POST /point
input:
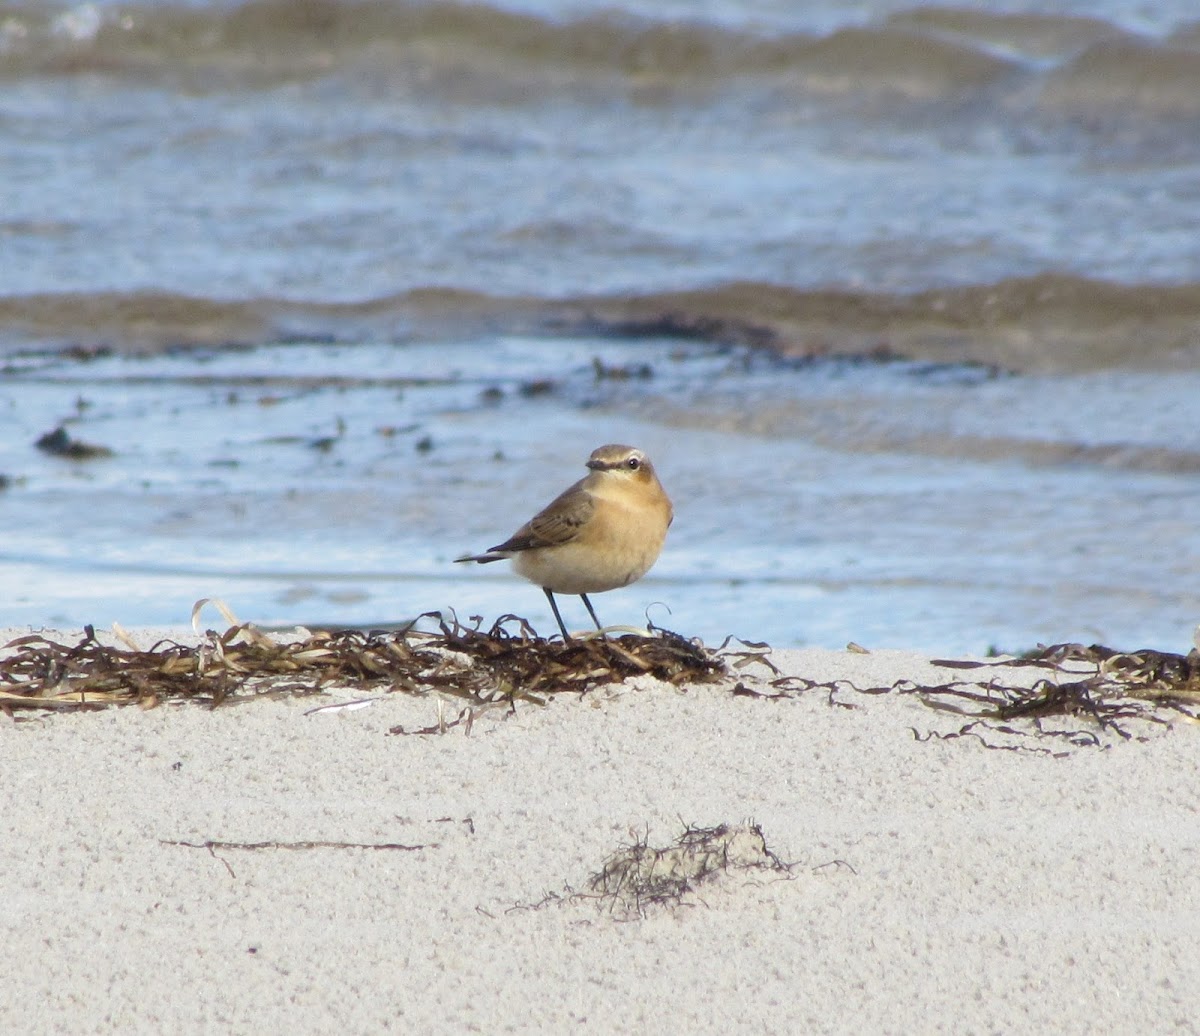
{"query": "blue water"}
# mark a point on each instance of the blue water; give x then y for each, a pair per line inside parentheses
(317, 484)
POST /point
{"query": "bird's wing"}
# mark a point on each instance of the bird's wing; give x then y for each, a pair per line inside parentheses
(557, 523)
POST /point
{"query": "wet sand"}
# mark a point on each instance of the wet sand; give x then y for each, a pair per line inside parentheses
(933, 884)
(1049, 323)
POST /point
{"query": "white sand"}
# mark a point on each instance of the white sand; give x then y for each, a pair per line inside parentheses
(938, 886)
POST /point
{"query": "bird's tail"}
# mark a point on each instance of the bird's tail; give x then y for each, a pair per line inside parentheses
(483, 559)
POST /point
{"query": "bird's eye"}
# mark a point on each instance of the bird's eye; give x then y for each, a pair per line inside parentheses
(633, 464)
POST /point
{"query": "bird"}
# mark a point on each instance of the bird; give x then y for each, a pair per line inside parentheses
(604, 532)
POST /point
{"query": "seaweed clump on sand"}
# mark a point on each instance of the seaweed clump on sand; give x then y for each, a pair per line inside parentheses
(639, 876)
(505, 663)
(1111, 689)
(1088, 697)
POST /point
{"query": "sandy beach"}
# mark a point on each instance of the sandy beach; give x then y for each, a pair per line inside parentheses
(264, 867)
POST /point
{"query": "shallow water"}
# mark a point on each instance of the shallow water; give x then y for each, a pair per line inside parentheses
(395, 206)
(317, 484)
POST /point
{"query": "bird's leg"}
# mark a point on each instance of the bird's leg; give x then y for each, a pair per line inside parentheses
(554, 606)
(592, 612)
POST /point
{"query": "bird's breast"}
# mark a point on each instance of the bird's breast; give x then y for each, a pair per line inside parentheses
(615, 548)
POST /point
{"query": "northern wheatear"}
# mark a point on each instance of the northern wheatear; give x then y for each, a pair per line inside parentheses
(604, 532)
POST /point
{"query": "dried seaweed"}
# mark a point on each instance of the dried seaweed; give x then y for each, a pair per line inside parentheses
(503, 664)
(1115, 694)
(1088, 696)
(1109, 688)
(212, 846)
(1159, 676)
(638, 876)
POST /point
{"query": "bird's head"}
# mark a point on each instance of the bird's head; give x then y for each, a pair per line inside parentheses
(623, 462)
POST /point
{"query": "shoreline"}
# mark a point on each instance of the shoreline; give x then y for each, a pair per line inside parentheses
(278, 864)
(1054, 323)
